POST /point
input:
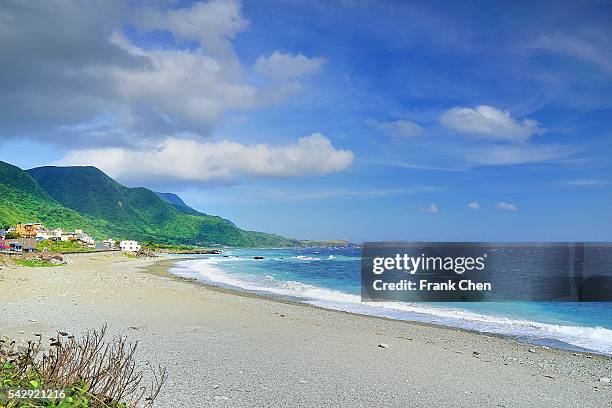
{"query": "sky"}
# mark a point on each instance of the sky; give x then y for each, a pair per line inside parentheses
(357, 120)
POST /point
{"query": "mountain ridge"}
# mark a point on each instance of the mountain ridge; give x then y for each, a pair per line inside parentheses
(85, 197)
(178, 202)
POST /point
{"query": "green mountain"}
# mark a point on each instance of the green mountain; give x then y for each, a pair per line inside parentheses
(85, 197)
(177, 202)
(23, 200)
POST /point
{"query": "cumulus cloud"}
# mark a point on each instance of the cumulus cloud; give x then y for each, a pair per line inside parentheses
(432, 209)
(213, 24)
(474, 205)
(76, 77)
(488, 122)
(506, 206)
(281, 66)
(192, 161)
(398, 128)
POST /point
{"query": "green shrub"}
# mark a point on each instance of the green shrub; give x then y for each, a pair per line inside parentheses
(89, 371)
(34, 263)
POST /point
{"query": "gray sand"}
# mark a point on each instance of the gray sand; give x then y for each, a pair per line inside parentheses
(227, 349)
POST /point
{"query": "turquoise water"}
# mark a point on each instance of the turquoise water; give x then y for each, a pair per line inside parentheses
(330, 277)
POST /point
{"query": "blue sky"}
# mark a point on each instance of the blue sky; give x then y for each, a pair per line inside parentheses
(350, 119)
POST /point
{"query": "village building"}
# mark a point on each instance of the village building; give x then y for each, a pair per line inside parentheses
(56, 234)
(129, 246)
(20, 245)
(29, 230)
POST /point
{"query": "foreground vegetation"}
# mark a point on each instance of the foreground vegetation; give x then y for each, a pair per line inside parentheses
(35, 263)
(62, 246)
(86, 372)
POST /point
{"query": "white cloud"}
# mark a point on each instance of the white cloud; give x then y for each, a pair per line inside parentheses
(74, 77)
(516, 154)
(282, 66)
(474, 205)
(593, 50)
(192, 161)
(399, 128)
(213, 24)
(432, 209)
(489, 123)
(506, 206)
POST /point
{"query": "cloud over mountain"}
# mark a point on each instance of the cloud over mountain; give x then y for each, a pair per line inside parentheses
(192, 161)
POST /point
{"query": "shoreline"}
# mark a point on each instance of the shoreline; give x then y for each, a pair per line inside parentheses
(237, 291)
(224, 348)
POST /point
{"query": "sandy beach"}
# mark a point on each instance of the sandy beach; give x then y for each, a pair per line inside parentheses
(230, 349)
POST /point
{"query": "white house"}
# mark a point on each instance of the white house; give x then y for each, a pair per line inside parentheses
(56, 234)
(83, 237)
(42, 235)
(129, 246)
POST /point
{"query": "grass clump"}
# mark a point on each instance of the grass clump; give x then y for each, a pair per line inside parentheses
(35, 263)
(91, 371)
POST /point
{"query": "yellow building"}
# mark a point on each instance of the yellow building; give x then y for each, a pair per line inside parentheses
(29, 230)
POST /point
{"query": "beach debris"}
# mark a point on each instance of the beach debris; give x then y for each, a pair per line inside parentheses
(216, 386)
(383, 345)
(475, 354)
(549, 376)
(589, 356)
(220, 398)
(282, 315)
(605, 380)
(258, 257)
(531, 350)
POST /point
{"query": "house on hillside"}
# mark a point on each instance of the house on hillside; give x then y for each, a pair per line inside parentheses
(56, 234)
(42, 235)
(68, 236)
(84, 238)
(129, 246)
(29, 230)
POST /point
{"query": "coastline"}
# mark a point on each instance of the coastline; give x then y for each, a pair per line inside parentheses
(255, 350)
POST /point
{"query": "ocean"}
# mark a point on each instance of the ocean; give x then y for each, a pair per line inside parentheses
(330, 278)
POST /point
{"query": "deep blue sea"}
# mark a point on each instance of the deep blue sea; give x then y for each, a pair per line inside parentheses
(330, 278)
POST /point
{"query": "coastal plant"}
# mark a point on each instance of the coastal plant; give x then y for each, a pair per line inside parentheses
(35, 263)
(90, 371)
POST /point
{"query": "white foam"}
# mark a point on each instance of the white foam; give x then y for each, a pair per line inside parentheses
(598, 339)
(306, 258)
